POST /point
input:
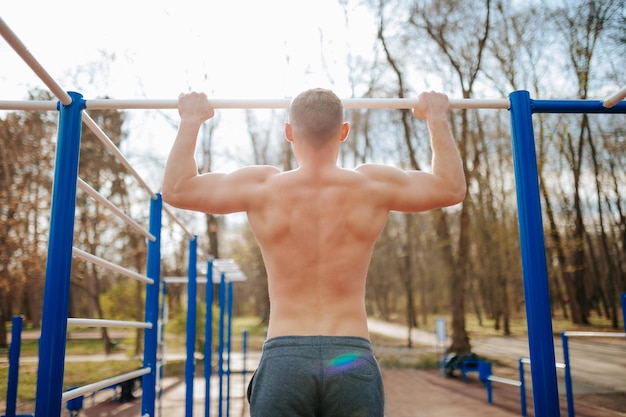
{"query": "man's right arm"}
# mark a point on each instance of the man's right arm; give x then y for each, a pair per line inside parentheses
(215, 192)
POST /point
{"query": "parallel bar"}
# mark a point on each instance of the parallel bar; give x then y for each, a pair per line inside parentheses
(594, 334)
(108, 323)
(612, 100)
(558, 365)
(506, 381)
(32, 105)
(110, 265)
(281, 103)
(93, 126)
(100, 198)
(77, 392)
(30, 60)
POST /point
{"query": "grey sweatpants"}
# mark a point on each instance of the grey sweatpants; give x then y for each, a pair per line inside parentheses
(317, 376)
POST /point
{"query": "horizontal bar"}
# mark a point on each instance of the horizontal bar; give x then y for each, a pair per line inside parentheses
(31, 105)
(93, 126)
(108, 323)
(504, 380)
(557, 364)
(30, 60)
(576, 106)
(77, 392)
(594, 334)
(282, 103)
(612, 100)
(538, 106)
(110, 265)
(100, 198)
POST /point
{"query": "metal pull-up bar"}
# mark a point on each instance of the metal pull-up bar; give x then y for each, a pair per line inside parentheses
(280, 103)
(30, 60)
(612, 100)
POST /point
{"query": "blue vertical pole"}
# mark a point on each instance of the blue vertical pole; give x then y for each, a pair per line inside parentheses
(229, 345)
(59, 261)
(150, 336)
(522, 387)
(162, 313)
(220, 344)
(14, 365)
(208, 343)
(624, 310)
(192, 290)
(569, 392)
(244, 370)
(534, 265)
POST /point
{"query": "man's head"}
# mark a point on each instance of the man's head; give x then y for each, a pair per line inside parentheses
(317, 115)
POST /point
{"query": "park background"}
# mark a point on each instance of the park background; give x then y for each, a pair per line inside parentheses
(462, 263)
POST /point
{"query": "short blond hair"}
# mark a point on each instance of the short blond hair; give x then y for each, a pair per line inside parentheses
(317, 113)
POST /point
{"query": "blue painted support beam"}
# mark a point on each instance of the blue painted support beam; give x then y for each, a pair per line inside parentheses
(150, 336)
(575, 106)
(192, 291)
(59, 260)
(229, 344)
(208, 343)
(624, 310)
(220, 344)
(569, 390)
(14, 365)
(534, 265)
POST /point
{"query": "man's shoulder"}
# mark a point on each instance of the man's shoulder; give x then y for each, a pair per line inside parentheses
(376, 169)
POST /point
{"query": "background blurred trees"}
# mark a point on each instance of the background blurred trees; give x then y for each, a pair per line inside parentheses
(458, 261)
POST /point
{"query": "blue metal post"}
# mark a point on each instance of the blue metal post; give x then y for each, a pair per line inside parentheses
(569, 392)
(522, 387)
(484, 372)
(59, 261)
(244, 370)
(534, 265)
(229, 345)
(14, 365)
(192, 290)
(220, 344)
(150, 336)
(208, 343)
(624, 310)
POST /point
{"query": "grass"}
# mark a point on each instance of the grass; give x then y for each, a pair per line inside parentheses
(518, 325)
(76, 374)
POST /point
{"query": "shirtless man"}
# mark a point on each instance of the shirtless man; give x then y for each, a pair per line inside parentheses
(316, 226)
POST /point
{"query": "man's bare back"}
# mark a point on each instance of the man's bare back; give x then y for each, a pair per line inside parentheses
(316, 225)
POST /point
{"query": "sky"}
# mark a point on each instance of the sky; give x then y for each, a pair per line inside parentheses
(157, 49)
(234, 49)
